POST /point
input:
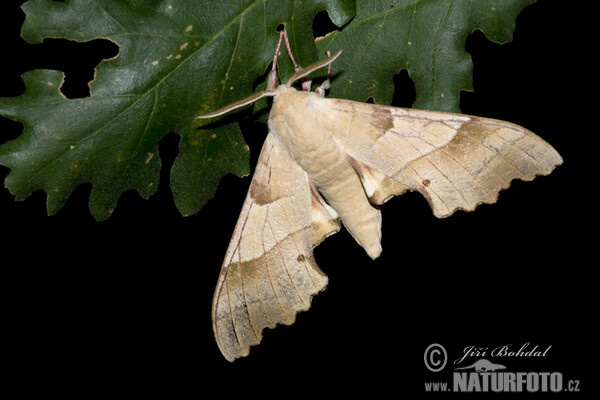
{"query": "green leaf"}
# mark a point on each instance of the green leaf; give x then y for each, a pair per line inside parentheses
(425, 37)
(178, 59)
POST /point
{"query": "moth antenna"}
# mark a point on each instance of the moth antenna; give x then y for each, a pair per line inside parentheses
(311, 68)
(289, 50)
(238, 104)
(272, 83)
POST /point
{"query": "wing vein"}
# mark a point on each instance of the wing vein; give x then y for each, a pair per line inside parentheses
(408, 165)
(266, 264)
(287, 270)
(499, 153)
(231, 317)
(246, 302)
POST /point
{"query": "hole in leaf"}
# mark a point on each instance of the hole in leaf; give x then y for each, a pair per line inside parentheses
(322, 25)
(77, 60)
(405, 93)
(280, 27)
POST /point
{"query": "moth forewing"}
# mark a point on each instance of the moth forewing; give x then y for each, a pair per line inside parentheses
(269, 273)
(456, 161)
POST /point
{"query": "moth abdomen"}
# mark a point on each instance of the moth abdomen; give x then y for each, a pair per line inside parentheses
(342, 189)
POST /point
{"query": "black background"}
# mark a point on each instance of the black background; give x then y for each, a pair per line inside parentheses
(123, 306)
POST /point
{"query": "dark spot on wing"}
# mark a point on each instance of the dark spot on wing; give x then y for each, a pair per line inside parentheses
(382, 119)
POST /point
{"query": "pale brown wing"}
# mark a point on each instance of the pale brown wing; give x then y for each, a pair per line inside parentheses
(456, 161)
(269, 273)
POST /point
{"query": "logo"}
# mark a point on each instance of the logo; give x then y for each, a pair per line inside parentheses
(483, 365)
(489, 375)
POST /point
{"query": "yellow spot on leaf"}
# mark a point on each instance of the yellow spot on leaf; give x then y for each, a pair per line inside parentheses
(150, 155)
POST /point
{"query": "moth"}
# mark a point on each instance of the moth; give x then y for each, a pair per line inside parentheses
(328, 162)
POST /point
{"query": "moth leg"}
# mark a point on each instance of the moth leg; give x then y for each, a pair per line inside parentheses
(327, 83)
